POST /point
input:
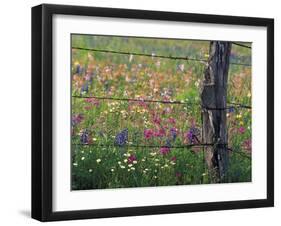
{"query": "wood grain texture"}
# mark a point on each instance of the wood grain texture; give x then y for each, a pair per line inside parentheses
(213, 97)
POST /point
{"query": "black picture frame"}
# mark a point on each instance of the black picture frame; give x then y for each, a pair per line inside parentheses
(42, 111)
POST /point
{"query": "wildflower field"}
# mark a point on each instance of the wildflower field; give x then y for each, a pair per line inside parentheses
(136, 119)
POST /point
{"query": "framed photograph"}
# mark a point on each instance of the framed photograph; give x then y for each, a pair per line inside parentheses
(146, 112)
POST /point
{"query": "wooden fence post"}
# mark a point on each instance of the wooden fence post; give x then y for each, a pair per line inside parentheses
(214, 103)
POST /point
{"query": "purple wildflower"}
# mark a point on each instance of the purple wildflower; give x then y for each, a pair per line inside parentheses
(231, 109)
(122, 137)
(84, 138)
(76, 119)
(84, 88)
(78, 69)
(192, 134)
(168, 143)
(173, 132)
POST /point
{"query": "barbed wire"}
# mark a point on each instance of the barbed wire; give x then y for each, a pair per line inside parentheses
(242, 154)
(241, 45)
(186, 58)
(146, 146)
(188, 146)
(234, 105)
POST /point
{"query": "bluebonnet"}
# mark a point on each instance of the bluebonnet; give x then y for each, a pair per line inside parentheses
(84, 138)
(173, 132)
(79, 69)
(231, 109)
(168, 143)
(122, 137)
(195, 131)
(84, 88)
(192, 134)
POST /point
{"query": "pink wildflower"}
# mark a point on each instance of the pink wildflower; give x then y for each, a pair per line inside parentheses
(160, 133)
(142, 104)
(241, 130)
(92, 101)
(76, 119)
(156, 120)
(167, 111)
(132, 158)
(248, 144)
(165, 150)
(148, 133)
(174, 158)
(88, 77)
(172, 120)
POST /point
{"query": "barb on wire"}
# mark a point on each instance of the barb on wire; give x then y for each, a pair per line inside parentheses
(153, 55)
